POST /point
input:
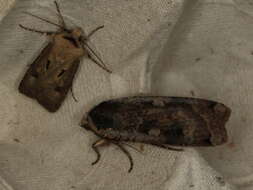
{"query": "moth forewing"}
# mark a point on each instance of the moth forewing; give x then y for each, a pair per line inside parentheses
(160, 121)
(50, 76)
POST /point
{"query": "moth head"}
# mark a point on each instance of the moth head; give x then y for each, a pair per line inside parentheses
(78, 34)
(88, 124)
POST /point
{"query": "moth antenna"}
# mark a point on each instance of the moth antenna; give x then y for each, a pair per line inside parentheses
(101, 64)
(60, 15)
(94, 30)
(38, 31)
(45, 20)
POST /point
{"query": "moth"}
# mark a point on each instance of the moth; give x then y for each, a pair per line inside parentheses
(50, 76)
(157, 120)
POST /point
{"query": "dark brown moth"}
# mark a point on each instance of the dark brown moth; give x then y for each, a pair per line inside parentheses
(157, 120)
(50, 76)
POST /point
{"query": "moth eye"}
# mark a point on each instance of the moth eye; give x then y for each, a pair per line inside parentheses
(48, 64)
(61, 73)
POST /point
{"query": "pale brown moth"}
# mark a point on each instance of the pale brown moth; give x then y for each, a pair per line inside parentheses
(50, 76)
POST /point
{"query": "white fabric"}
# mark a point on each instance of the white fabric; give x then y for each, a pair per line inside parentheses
(201, 48)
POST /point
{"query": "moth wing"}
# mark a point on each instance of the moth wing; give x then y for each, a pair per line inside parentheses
(164, 120)
(28, 85)
(55, 91)
(46, 82)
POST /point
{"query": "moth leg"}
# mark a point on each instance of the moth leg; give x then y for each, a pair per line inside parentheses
(38, 31)
(95, 146)
(94, 30)
(167, 147)
(73, 96)
(127, 154)
(91, 51)
(175, 149)
(130, 146)
(101, 63)
(62, 22)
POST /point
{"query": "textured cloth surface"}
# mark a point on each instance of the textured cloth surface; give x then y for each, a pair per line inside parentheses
(5, 6)
(200, 48)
